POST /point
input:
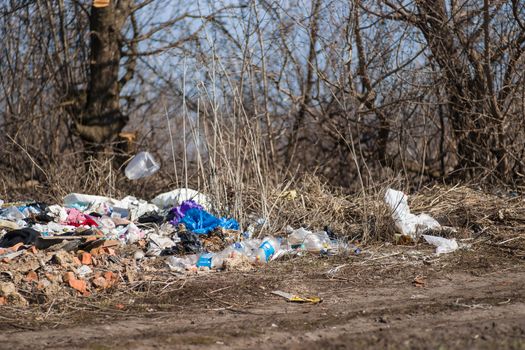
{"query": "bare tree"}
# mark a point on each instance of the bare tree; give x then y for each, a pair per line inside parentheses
(478, 65)
(350, 89)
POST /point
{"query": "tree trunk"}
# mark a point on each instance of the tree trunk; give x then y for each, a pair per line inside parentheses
(102, 119)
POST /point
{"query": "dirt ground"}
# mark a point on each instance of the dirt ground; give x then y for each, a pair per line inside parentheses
(392, 297)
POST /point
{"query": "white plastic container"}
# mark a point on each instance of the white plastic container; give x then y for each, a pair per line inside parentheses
(142, 165)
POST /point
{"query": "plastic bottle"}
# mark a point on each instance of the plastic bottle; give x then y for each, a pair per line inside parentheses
(142, 165)
(181, 264)
(248, 234)
(238, 248)
(340, 247)
(212, 260)
(248, 248)
(251, 246)
(317, 242)
(268, 248)
(297, 237)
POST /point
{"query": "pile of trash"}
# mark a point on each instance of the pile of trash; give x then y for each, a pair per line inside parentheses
(92, 243)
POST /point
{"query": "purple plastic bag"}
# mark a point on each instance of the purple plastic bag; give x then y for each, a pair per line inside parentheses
(180, 211)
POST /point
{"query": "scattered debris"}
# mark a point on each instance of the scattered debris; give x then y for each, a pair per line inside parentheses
(296, 298)
(413, 226)
(419, 281)
(443, 245)
(77, 284)
(9, 295)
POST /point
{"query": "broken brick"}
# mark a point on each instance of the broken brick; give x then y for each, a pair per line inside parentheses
(86, 259)
(31, 276)
(16, 247)
(111, 278)
(68, 276)
(100, 282)
(79, 285)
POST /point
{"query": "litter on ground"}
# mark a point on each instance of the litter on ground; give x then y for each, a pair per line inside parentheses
(413, 226)
(90, 243)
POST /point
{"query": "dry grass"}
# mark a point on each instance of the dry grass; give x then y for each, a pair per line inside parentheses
(361, 216)
(475, 213)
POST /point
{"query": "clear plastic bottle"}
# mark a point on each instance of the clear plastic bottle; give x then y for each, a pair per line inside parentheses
(317, 242)
(268, 248)
(248, 234)
(342, 247)
(238, 248)
(297, 237)
(252, 245)
(181, 264)
(247, 248)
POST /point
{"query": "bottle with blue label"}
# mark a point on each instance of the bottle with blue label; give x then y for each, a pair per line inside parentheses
(211, 260)
(205, 260)
(268, 248)
(248, 247)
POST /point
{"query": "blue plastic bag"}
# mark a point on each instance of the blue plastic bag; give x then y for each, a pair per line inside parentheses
(180, 211)
(201, 222)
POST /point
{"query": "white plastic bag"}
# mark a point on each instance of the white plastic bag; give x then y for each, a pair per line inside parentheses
(179, 195)
(58, 212)
(142, 165)
(84, 201)
(443, 245)
(407, 223)
(136, 207)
